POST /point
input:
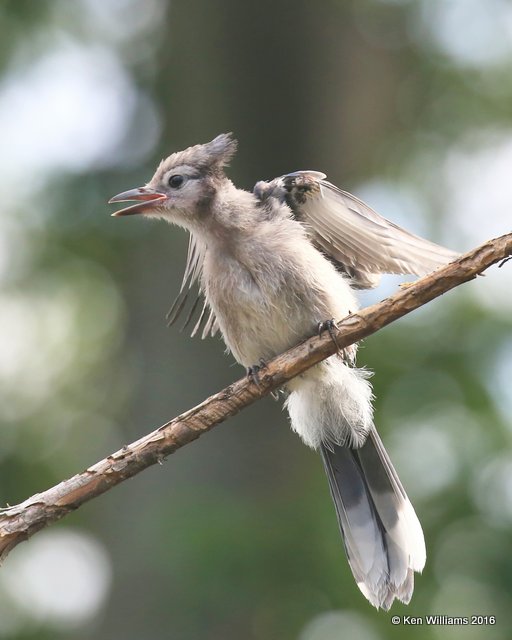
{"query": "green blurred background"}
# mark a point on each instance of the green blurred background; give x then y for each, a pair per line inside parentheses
(406, 103)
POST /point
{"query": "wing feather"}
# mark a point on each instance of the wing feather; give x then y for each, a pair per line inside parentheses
(361, 242)
(364, 243)
(191, 279)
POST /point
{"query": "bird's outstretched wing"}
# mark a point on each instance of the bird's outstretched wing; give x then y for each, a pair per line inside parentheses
(191, 288)
(362, 242)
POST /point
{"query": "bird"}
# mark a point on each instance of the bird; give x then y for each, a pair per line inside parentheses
(272, 267)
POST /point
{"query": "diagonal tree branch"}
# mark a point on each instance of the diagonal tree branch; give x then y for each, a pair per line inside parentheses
(19, 522)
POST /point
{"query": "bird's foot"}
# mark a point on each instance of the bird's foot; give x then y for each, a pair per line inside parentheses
(348, 353)
(254, 371)
(329, 326)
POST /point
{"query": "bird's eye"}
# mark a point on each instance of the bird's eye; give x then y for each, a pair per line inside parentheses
(176, 181)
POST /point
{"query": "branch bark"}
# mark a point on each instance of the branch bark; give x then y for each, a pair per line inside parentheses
(19, 522)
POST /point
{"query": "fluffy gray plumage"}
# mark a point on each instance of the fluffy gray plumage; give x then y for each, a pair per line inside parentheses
(272, 265)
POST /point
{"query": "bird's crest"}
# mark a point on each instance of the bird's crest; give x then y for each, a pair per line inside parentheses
(208, 158)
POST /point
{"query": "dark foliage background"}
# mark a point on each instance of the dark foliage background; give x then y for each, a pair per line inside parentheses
(405, 103)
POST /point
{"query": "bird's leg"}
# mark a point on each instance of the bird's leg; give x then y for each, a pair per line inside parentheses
(253, 372)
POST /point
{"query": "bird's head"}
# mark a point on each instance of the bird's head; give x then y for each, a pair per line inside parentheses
(184, 183)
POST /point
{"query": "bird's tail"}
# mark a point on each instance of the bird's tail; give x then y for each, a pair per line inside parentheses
(382, 535)
(330, 408)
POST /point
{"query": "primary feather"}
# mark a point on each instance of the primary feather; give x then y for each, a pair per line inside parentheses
(363, 243)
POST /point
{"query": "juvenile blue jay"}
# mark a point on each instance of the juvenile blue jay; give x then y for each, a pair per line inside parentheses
(273, 265)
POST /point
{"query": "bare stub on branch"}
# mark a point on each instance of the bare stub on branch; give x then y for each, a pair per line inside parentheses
(19, 522)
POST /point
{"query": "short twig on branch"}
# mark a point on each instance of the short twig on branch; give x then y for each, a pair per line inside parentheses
(19, 522)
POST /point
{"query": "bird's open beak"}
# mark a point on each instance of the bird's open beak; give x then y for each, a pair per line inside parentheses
(146, 199)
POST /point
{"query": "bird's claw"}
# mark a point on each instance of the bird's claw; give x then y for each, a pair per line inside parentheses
(254, 371)
(348, 353)
(329, 326)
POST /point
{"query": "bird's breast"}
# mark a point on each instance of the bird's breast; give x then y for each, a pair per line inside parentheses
(272, 290)
(259, 314)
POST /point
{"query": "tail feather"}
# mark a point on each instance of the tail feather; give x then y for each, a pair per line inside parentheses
(381, 532)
